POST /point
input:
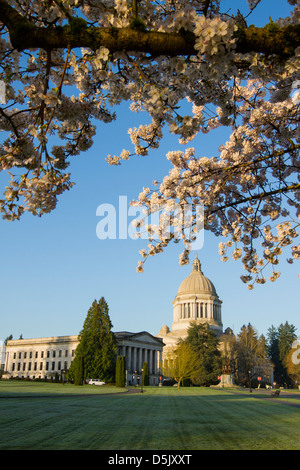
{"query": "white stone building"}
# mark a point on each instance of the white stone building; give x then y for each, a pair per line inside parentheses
(39, 357)
(137, 349)
(196, 301)
(44, 358)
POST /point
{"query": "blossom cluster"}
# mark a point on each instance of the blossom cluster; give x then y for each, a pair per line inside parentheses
(53, 98)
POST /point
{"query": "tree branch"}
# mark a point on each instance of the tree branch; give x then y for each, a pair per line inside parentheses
(263, 195)
(271, 39)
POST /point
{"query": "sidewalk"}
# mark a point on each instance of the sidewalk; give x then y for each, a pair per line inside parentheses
(261, 393)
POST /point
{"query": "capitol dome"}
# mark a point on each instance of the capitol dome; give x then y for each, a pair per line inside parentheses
(196, 301)
(196, 282)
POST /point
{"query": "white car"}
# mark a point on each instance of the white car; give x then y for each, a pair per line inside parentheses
(96, 382)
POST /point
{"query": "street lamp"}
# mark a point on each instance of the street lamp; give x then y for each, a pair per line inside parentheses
(142, 380)
(250, 381)
(134, 378)
(63, 374)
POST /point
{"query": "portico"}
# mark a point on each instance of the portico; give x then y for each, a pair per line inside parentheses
(137, 349)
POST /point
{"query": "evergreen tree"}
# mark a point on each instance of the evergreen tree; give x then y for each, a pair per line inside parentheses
(279, 343)
(145, 376)
(97, 345)
(79, 371)
(205, 343)
(120, 371)
(286, 337)
(10, 337)
(251, 353)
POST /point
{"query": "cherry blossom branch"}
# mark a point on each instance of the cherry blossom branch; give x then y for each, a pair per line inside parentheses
(271, 39)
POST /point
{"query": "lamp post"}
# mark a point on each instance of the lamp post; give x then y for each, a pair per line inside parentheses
(142, 380)
(135, 378)
(63, 375)
(250, 381)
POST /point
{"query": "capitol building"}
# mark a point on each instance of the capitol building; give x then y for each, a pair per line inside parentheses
(196, 301)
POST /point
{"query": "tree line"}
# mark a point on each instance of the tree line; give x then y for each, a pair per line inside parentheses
(249, 358)
(200, 359)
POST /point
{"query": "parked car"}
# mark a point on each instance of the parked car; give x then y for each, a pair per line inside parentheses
(96, 382)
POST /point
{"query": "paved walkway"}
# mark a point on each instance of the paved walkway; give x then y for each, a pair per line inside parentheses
(263, 393)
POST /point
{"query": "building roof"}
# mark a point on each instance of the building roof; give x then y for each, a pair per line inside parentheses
(196, 282)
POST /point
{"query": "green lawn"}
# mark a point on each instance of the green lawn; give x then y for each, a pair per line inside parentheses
(54, 416)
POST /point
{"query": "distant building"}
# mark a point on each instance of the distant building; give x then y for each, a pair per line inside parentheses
(44, 358)
(2, 355)
(196, 301)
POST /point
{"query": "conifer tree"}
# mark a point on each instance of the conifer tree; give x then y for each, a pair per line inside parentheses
(251, 354)
(79, 371)
(205, 344)
(98, 345)
(279, 343)
(120, 371)
(145, 376)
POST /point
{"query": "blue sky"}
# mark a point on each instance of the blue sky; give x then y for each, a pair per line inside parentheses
(52, 268)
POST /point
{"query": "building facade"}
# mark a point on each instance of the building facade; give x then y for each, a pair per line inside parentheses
(196, 301)
(137, 349)
(46, 358)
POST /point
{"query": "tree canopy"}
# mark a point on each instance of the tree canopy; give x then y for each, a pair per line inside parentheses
(97, 344)
(205, 344)
(280, 341)
(251, 353)
(66, 64)
(180, 363)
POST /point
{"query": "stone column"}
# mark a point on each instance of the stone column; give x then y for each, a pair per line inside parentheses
(140, 360)
(134, 365)
(150, 364)
(128, 359)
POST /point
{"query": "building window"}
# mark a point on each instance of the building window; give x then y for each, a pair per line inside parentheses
(53, 365)
(66, 353)
(53, 353)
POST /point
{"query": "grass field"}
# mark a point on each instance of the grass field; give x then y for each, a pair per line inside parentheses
(39, 416)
